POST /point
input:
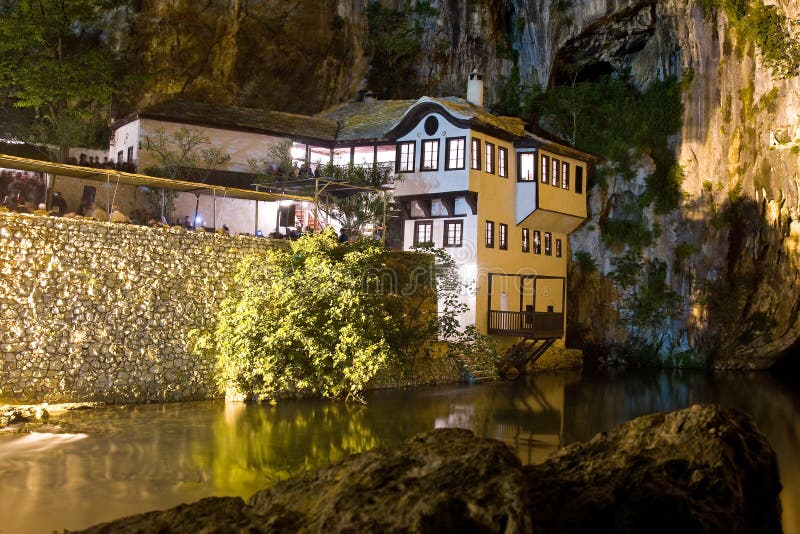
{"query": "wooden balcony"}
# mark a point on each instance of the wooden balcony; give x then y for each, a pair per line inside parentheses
(539, 325)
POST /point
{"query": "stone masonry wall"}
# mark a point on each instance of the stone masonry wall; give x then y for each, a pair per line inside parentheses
(98, 311)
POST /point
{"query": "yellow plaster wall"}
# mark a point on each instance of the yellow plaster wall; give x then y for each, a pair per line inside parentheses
(496, 202)
(556, 198)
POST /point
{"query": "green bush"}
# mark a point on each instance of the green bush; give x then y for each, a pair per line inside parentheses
(320, 318)
(304, 321)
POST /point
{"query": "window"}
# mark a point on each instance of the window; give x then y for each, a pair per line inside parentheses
(489, 234)
(502, 162)
(405, 157)
(431, 125)
(455, 153)
(119, 156)
(503, 236)
(537, 242)
(526, 240)
(527, 167)
(430, 155)
(130, 154)
(423, 232)
(558, 248)
(545, 169)
(453, 232)
(556, 174)
(579, 179)
(476, 154)
(548, 244)
(489, 158)
(564, 175)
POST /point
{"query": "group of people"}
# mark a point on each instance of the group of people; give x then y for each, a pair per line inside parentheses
(94, 161)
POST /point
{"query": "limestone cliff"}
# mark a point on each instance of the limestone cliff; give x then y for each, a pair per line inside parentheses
(730, 251)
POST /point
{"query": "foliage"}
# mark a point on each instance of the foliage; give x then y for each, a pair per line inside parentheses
(626, 269)
(322, 318)
(610, 118)
(767, 28)
(632, 232)
(425, 307)
(354, 211)
(683, 251)
(58, 59)
(394, 46)
(472, 351)
(276, 165)
(585, 262)
(185, 154)
(306, 321)
(653, 301)
(514, 98)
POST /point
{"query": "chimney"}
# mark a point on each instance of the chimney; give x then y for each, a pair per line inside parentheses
(475, 88)
(370, 96)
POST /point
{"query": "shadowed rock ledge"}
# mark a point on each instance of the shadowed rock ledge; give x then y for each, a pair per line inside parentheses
(702, 469)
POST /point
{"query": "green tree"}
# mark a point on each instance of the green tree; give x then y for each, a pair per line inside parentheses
(185, 154)
(355, 209)
(58, 60)
(275, 166)
(306, 320)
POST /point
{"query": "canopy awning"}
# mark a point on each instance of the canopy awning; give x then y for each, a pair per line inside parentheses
(114, 176)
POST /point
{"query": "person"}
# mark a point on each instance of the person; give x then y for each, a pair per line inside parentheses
(59, 204)
(343, 237)
(99, 214)
(226, 230)
(187, 223)
(117, 216)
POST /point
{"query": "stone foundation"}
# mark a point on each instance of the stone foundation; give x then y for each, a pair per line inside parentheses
(93, 311)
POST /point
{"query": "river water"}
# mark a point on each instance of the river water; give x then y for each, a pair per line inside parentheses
(98, 465)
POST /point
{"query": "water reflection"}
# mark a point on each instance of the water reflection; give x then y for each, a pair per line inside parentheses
(149, 457)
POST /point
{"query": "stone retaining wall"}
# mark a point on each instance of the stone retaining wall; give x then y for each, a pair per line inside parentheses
(97, 311)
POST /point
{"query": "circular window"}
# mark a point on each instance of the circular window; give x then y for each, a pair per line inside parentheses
(431, 125)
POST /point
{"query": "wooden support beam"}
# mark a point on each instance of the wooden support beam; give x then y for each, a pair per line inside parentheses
(472, 201)
(425, 206)
(405, 207)
(449, 204)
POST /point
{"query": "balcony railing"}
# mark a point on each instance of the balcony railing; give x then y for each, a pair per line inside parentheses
(538, 325)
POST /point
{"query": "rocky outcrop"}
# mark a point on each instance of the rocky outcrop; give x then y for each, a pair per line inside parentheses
(703, 469)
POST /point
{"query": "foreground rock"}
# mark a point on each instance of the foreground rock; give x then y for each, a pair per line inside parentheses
(703, 469)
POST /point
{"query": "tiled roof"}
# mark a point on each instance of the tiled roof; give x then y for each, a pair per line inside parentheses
(480, 117)
(349, 122)
(373, 120)
(367, 120)
(239, 118)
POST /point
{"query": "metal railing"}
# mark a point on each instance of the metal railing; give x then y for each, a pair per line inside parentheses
(526, 324)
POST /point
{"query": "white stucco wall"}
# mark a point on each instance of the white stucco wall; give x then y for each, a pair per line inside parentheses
(414, 183)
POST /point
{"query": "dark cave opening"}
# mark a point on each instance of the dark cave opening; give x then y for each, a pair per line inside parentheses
(566, 73)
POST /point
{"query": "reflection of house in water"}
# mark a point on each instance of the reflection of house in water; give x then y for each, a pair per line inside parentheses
(528, 418)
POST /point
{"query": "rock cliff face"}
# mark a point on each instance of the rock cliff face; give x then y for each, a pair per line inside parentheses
(732, 248)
